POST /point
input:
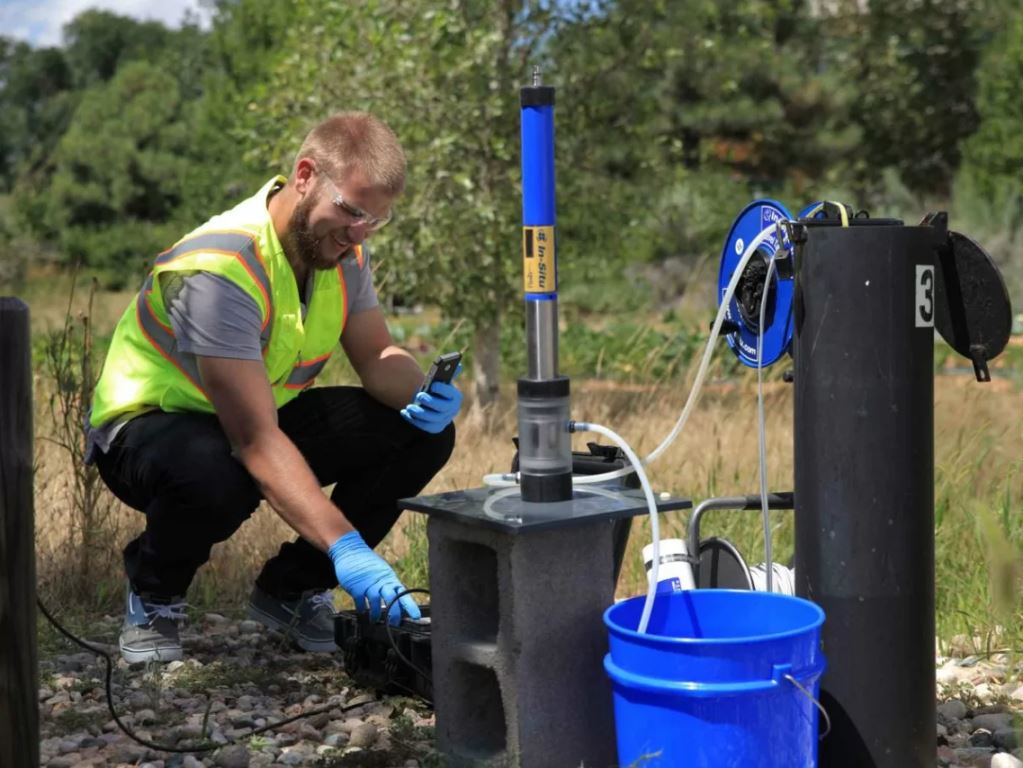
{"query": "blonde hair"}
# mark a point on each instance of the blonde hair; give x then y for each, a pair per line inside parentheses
(350, 140)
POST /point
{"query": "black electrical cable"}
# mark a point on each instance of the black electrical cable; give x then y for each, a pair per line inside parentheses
(390, 635)
(202, 747)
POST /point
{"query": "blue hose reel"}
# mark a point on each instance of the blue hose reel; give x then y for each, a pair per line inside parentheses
(743, 316)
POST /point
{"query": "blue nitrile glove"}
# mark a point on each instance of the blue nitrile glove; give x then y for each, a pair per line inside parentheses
(366, 576)
(432, 411)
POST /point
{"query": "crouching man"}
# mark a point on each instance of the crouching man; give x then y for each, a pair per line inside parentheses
(206, 403)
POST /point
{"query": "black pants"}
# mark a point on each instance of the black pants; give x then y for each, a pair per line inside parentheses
(178, 469)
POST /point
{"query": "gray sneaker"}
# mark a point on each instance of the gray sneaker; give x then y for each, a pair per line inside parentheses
(150, 630)
(308, 621)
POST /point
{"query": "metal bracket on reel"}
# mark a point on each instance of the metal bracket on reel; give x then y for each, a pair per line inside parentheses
(742, 322)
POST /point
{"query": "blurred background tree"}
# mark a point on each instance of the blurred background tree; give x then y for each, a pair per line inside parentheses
(671, 115)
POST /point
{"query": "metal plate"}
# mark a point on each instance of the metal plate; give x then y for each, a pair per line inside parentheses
(744, 308)
(972, 308)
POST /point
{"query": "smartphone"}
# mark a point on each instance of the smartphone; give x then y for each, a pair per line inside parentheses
(443, 369)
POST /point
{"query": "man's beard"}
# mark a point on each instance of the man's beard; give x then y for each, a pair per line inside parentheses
(303, 239)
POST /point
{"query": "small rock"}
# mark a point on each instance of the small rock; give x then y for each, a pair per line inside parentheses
(234, 756)
(320, 720)
(982, 738)
(942, 733)
(293, 757)
(974, 757)
(139, 700)
(993, 722)
(350, 725)
(145, 717)
(1005, 760)
(953, 709)
(128, 753)
(285, 739)
(335, 739)
(71, 664)
(989, 709)
(186, 731)
(45, 693)
(363, 735)
(959, 739)
(174, 666)
(241, 719)
(336, 726)
(191, 762)
(65, 761)
(946, 756)
(63, 697)
(214, 618)
(363, 698)
(983, 692)
(1005, 738)
(249, 627)
(1017, 695)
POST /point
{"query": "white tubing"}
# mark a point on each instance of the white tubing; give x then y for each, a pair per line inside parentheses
(512, 491)
(651, 502)
(501, 480)
(507, 480)
(761, 428)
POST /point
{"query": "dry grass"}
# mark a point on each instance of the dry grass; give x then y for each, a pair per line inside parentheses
(978, 451)
(978, 485)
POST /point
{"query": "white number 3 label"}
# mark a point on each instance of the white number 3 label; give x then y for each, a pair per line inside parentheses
(924, 296)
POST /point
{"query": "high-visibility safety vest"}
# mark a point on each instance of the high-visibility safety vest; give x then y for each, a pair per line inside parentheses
(144, 369)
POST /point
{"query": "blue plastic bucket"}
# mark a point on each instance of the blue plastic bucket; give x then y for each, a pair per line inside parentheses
(708, 684)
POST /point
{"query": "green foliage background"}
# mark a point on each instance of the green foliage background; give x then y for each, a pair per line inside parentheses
(672, 115)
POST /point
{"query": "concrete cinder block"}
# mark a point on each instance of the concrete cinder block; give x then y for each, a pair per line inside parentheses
(518, 645)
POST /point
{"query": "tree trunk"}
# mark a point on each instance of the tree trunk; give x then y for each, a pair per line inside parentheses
(486, 373)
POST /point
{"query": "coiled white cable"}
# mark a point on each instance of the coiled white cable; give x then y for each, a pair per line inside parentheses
(507, 479)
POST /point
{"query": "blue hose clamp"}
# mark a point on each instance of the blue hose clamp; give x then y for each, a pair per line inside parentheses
(744, 307)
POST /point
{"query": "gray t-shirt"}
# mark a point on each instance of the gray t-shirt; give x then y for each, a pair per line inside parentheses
(213, 317)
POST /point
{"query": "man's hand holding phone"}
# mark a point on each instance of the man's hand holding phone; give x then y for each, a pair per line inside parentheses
(437, 403)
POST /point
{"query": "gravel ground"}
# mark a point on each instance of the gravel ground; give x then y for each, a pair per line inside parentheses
(237, 676)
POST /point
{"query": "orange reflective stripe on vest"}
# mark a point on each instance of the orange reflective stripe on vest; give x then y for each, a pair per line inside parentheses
(162, 336)
(305, 371)
(240, 245)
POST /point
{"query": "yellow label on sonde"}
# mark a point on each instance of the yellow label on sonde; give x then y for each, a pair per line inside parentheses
(539, 263)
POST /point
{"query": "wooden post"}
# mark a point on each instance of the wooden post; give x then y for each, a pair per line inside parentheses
(19, 672)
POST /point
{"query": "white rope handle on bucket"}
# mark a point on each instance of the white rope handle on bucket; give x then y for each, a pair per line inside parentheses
(810, 696)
